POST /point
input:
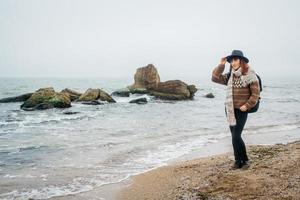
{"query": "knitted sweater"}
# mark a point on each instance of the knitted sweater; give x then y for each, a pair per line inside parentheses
(247, 95)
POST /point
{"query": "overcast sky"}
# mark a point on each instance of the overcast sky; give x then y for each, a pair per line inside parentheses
(112, 38)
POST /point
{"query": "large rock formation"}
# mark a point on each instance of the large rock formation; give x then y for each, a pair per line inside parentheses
(72, 93)
(173, 90)
(95, 94)
(45, 98)
(144, 78)
(147, 80)
(20, 98)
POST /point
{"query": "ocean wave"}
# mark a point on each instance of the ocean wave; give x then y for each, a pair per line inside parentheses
(286, 100)
(21, 150)
(43, 120)
(11, 176)
(77, 185)
(31, 148)
(46, 192)
(138, 161)
(273, 128)
(59, 119)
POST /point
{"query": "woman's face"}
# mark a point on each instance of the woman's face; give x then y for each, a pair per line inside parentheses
(235, 63)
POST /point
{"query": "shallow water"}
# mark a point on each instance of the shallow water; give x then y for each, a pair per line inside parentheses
(46, 153)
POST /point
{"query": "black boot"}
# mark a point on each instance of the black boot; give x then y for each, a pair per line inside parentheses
(237, 164)
(245, 164)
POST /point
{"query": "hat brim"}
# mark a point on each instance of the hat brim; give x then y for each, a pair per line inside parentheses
(231, 56)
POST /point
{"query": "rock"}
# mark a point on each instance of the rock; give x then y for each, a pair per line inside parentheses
(209, 95)
(145, 77)
(173, 90)
(103, 96)
(125, 92)
(70, 113)
(138, 90)
(142, 100)
(167, 96)
(72, 93)
(46, 98)
(60, 100)
(147, 81)
(40, 96)
(41, 106)
(192, 89)
(20, 98)
(93, 102)
(90, 95)
(95, 94)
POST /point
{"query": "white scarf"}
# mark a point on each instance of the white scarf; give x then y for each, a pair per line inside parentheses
(245, 79)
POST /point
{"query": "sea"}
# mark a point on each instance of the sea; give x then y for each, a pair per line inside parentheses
(47, 153)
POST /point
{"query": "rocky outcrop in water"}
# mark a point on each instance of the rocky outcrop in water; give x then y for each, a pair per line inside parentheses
(20, 98)
(124, 92)
(142, 100)
(95, 94)
(93, 102)
(74, 95)
(46, 98)
(210, 95)
(144, 78)
(70, 112)
(147, 81)
(173, 90)
(138, 90)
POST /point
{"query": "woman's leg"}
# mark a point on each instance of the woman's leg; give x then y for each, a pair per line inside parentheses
(239, 146)
(235, 143)
(242, 116)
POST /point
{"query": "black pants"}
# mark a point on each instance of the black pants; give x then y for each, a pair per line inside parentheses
(238, 144)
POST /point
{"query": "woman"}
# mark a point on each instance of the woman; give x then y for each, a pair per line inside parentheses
(242, 93)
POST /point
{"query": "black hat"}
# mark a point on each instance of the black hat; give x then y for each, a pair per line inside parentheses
(237, 53)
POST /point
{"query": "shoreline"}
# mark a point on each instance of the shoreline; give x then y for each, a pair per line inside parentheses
(222, 147)
(274, 173)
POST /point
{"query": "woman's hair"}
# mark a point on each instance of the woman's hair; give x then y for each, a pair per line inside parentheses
(244, 66)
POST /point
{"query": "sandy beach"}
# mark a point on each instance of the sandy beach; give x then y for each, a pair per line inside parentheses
(274, 173)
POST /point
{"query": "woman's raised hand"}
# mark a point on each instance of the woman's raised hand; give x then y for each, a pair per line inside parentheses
(223, 61)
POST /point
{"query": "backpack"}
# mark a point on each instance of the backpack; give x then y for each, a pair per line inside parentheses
(255, 108)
